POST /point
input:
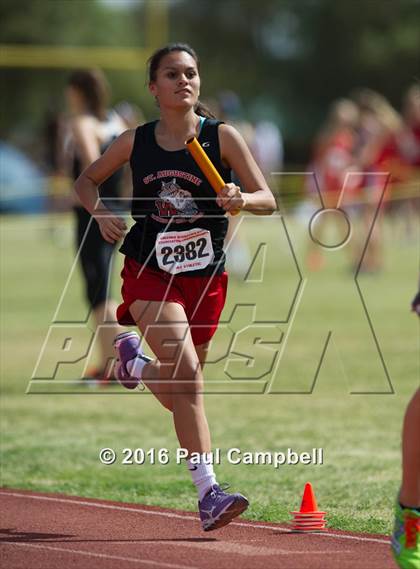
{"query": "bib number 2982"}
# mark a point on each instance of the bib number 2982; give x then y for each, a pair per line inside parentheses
(179, 251)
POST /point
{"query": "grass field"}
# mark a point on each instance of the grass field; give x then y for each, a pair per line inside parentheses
(51, 442)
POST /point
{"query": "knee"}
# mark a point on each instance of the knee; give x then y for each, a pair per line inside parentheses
(188, 380)
(189, 371)
(184, 369)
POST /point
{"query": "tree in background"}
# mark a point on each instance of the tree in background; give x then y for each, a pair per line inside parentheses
(287, 60)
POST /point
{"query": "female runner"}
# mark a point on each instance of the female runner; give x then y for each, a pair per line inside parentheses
(174, 283)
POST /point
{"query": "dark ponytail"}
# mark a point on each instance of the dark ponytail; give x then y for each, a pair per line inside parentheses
(154, 62)
(202, 110)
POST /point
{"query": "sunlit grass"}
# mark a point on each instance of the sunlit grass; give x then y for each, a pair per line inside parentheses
(51, 442)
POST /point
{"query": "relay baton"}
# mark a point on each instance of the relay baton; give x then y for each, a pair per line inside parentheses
(206, 166)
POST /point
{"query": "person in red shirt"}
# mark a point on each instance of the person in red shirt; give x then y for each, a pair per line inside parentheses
(378, 157)
(409, 138)
(333, 160)
(408, 145)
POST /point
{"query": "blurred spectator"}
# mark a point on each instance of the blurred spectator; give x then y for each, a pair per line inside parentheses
(408, 142)
(92, 128)
(409, 138)
(334, 148)
(333, 159)
(378, 156)
(380, 126)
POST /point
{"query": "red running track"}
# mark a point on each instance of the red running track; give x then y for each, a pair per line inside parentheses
(49, 531)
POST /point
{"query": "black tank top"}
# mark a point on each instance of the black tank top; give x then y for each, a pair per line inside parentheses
(179, 227)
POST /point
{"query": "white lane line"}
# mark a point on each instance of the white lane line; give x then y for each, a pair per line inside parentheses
(385, 541)
(104, 555)
(240, 548)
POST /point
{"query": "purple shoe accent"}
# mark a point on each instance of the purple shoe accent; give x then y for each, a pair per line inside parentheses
(127, 347)
(218, 508)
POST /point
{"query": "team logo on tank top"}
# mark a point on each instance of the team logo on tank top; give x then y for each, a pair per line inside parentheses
(175, 203)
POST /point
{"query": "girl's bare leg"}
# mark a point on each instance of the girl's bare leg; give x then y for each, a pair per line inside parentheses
(176, 377)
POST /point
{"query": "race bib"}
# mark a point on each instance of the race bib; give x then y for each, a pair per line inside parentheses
(179, 251)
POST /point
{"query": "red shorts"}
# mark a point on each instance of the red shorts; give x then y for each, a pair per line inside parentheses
(203, 298)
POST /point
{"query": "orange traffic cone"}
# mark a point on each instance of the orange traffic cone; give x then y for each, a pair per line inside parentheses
(309, 518)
